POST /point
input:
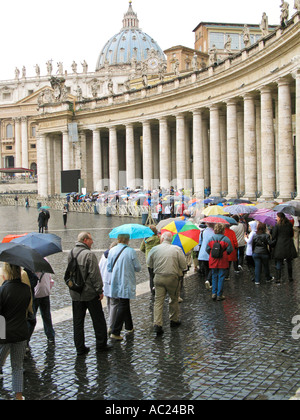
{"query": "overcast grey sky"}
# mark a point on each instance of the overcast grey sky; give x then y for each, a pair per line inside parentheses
(33, 32)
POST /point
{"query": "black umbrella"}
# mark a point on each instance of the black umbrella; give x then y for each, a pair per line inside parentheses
(287, 210)
(23, 256)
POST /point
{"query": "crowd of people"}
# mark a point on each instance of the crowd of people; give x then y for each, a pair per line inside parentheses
(246, 244)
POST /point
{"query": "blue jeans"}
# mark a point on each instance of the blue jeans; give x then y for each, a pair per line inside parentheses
(218, 278)
(261, 260)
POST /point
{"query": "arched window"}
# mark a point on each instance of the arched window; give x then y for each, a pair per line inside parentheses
(9, 131)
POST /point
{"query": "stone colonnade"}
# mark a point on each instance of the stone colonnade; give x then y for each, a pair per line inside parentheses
(246, 145)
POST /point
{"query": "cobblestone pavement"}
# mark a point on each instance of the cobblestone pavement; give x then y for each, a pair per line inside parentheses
(241, 348)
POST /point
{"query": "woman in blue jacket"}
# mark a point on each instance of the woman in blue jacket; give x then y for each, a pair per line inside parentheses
(123, 263)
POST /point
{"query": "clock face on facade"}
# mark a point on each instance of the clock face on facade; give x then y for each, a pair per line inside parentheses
(153, 63)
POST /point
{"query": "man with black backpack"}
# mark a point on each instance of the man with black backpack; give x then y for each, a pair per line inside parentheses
(89, 298)
(218, 249)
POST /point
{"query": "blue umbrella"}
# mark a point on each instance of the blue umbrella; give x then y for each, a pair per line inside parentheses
(44, 243)
(231, 220)
(135, 231)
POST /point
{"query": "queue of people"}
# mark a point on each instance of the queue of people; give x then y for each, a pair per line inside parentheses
(115, 278)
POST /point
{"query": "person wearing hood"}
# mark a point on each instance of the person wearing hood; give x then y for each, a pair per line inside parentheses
(249, 250)
(112, 303)
(146, 247)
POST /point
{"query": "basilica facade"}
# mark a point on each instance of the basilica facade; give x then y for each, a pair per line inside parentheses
(191, 119)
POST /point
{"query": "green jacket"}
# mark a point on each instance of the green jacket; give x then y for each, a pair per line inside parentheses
(149, 243)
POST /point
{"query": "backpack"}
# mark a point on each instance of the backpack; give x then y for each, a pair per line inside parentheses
(73, 277)
(217, 250)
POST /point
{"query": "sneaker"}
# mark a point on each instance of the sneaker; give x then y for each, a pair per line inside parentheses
(116, 337)
(207, 285)
(129, 331)
(158, 329)
(257, 283)
(180, 300)
(219, 298)
(214, 297)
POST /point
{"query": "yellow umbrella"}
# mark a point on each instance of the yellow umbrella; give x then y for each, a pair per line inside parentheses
(213, 211)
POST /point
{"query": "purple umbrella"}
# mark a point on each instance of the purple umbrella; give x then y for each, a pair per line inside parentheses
(269, 217)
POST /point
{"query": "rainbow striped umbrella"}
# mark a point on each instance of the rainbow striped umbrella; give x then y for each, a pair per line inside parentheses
(185, 234)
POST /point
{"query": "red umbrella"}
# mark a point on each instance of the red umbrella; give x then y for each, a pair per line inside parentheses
(215, 219)
(9, 238)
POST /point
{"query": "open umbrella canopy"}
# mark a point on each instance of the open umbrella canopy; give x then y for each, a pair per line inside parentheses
(213, 211)
(185, 234)
(239, 209)
(294, 211)
(215, 220)
(135, 231)
(44, 243)
(23, 256)
(228, 219)
(9, 238)
(269, 217)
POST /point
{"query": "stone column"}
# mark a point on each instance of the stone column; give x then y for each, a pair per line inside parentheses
(180, 151)
(66, 151)
(164, 153)
(258, 144)
(113, 159)
(97, 161)
(130, 157)
(198, 156)
(206, 153)
(285, 141)
(232, 149)
(268, 174)
(18, 151)
(298, 132)
(147, 156)
(24, 143)
(241, 148)
(57, 164)
(250, 147)
(42, 167)
(223, 142)
(83, 163)
(215, 152)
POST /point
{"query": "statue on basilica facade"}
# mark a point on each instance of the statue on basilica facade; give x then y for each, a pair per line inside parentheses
(285, 11)
(60, 68)
(74, 67)
(24, 72)
(246, 36)
(49, 67)
(213, 59)
(264, 25)
(228, 43)
(84, 67)
(17, 73)
(37, 70)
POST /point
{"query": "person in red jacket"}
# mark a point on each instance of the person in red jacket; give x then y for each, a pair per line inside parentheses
(234, 255)
(219, 264)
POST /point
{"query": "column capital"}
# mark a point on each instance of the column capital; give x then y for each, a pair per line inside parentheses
(283, 81)
(232, 102)
(266, 89)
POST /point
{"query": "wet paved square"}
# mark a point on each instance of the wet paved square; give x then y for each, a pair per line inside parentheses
(241, 348)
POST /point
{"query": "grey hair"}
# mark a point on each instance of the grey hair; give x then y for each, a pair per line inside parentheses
(82, 236)
(167, 237)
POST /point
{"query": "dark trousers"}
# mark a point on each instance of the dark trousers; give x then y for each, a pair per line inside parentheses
(96, 311)
(123, 316)
(44, 305)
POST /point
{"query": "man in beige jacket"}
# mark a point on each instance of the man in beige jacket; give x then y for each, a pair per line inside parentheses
(168, 262)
